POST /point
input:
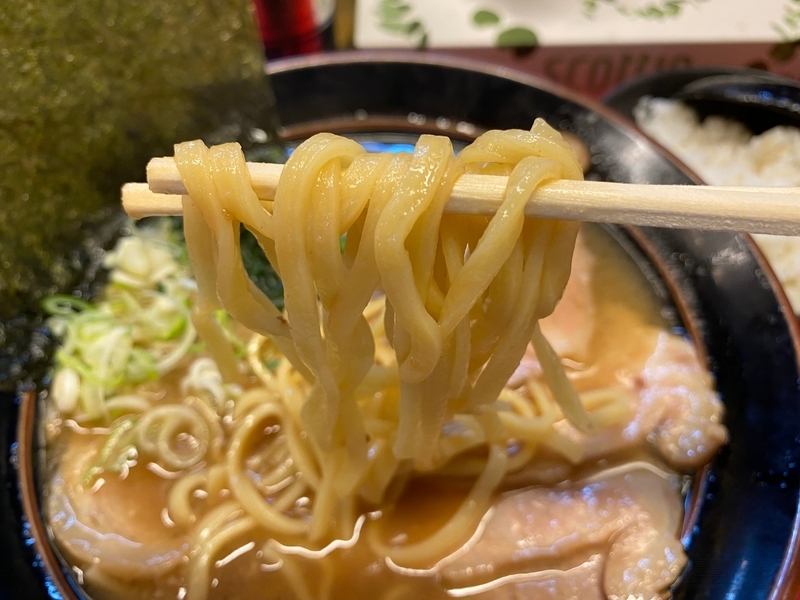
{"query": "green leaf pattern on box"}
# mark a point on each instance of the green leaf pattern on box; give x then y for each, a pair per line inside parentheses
(396, 17)
(648, 9)
(789, 25)
(399, 18)
(570, 23)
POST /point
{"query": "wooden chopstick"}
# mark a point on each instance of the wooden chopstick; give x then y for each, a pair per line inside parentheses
(755, 210)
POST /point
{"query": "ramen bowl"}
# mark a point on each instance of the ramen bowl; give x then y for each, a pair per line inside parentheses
(741, 512)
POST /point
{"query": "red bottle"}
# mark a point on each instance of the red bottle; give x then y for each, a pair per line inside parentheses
(288, 27)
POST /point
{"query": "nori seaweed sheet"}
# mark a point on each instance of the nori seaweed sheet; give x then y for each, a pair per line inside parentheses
(91, 91)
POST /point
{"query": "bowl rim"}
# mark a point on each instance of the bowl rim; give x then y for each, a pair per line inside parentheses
(787, 581)
(693, 73)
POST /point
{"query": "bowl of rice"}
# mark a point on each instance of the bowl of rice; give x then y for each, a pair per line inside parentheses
(732, 127)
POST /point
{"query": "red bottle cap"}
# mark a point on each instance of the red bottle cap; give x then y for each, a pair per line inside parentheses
(288, 27)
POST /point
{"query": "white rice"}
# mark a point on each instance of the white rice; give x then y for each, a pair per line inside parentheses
(724, 152)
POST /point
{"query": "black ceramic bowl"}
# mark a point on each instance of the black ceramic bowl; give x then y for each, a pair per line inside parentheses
(758, 99)
(740, 528)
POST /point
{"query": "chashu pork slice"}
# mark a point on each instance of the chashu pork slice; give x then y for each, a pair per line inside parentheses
(616, 536)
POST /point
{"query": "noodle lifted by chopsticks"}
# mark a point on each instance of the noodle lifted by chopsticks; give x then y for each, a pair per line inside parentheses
(463, 296)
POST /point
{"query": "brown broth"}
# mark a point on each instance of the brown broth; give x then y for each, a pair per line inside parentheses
(629, 318)
(627, 312)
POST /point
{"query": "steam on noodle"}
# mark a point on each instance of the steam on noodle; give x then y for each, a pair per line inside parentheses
(391, 360)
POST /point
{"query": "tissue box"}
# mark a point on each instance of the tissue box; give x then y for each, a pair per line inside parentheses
(591, 45)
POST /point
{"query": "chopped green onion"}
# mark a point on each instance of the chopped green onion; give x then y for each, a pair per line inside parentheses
(115, 437)
(66, 389)
(61, 304)
(138, 330)
(141, 366)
